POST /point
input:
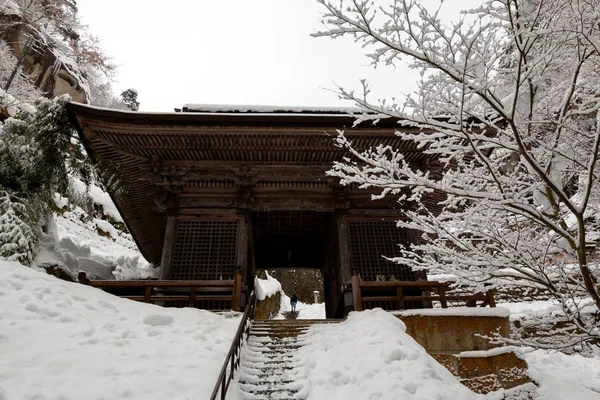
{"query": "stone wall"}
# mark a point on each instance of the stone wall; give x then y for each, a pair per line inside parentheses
(268, 308)
(450, 334)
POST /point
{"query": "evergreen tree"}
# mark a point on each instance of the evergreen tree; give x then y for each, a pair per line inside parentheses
(38, 153)
(129, 98)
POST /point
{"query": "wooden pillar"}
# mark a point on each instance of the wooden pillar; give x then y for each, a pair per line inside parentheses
(166, 261)
(241, 261)
(237, 293)
(251, 269)
(345, 272)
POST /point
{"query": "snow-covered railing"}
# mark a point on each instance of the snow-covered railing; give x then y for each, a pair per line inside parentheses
(210, 295)
(232, 361)
(400, 294)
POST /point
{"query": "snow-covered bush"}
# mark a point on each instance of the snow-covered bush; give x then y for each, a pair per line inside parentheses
(19, 228)
(509, 103)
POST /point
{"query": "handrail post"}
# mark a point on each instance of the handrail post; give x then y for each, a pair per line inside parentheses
(147, 294)
(356, 293)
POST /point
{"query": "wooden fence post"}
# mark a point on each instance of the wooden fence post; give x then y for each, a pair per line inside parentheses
(490, 296)
(147, 294)
(400, 297)
(442, 291)
(193, 290)
(356, 293)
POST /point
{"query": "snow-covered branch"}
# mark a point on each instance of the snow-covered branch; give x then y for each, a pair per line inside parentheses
(508, 112)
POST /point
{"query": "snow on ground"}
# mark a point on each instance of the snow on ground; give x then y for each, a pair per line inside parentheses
(537, 308)
(305, 311)
(564, 377)
(369, 356)
(61, 340)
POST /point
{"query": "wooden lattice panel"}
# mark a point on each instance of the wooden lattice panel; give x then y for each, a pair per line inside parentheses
(369, 242)
(205, 250)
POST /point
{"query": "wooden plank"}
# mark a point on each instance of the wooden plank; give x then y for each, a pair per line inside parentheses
(406, 284)
(185, 298)
(438, 298)
(147, 294)
(160, 283)
(382, 298)
(168, 248)
(356, 294)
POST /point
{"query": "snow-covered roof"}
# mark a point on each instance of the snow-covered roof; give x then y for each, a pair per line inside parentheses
(251, 109)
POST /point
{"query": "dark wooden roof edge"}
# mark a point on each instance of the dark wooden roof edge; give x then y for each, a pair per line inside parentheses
(279, 109)
(334, 120)
(72, 112)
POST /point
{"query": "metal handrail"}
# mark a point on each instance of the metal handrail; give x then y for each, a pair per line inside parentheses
(232, 362)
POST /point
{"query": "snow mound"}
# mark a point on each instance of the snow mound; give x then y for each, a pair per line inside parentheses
(62, 340)
(266, 287)
(370, 356)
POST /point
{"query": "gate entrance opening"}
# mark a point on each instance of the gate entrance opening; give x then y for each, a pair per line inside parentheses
(291, 239)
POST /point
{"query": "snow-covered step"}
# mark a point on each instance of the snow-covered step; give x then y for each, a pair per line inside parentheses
(270, 368)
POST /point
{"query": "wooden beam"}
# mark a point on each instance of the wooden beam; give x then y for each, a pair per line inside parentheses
(162, 284)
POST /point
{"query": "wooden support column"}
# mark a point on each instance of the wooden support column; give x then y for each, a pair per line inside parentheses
(345, 272)
(241, 260)
(237, 293)
(166, 261)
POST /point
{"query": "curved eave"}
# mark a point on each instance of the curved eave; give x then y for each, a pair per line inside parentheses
(78, 113)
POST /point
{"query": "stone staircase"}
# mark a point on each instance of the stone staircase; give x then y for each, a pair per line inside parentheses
(270, 367)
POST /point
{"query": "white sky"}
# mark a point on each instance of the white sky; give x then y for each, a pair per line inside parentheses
(234, 52)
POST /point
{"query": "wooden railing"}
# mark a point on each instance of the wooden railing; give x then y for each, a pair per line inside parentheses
(400, 295)
(232, 361)
(215, 295)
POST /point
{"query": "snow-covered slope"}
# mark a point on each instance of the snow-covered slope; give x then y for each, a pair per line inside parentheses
(61, 340)
(76, 241)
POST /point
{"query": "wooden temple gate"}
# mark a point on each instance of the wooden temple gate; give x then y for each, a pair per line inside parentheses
(213, 195)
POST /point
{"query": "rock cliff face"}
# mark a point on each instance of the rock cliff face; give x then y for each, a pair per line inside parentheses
(51, 71)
